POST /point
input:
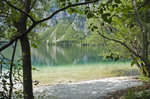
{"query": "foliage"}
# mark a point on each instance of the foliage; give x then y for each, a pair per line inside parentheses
(116, 21)
(5, 77)
(144, 79)
(137, 95)
(131, 95)
(141, 92)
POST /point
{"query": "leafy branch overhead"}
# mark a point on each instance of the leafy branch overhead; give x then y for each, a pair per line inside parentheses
(126, 23)
(18, 36)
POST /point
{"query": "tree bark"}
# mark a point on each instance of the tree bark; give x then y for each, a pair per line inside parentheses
(145, 42)
(11, 71)
(143, 70)
(27, 71)
(147, 66)
(26, 59)
(26, 56)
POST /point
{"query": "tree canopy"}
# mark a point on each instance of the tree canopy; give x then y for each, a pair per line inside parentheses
(126, 22)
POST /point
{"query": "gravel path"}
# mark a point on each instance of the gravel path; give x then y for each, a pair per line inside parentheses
(94, 89)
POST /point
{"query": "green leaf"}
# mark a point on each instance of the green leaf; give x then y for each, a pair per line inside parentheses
(141, 61)
(91, 24)
(101, 11)
(5, 88)
(133, 62)
(92, 29)
(6, 77)
(35, 69)
(106, 14)
(95, 27)
(105, 17)
(85, 11)
(128, 56)
(109, 1)
(34, 45)
(109, 20)
(117, 58)
(115, 5)
(77, 0)
(131, 26)
(111, 57)
(90, 15)
(69, 11)
(107, 57)
(137, 58)
(117, 1)
(4, 81)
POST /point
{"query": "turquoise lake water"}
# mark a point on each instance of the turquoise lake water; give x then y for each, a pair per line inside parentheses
(68, 55)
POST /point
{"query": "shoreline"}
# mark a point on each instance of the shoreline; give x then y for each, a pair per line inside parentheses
(95, 89)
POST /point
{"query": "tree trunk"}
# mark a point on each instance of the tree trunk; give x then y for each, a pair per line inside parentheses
(27, 71)
(25, 47)
(147, 66)
(143, 70)
(145, 42)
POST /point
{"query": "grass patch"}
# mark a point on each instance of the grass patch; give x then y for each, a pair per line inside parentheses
(139, 92)
(144, 79)
(48, 75)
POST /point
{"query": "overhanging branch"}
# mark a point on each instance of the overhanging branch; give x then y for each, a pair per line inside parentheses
(123, 44)
(17, 37)
(69, 6)
(40, 21)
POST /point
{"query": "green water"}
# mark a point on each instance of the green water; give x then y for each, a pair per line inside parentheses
(70, 55)
(63, 56)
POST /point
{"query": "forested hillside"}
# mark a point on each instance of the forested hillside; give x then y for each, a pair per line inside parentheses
(65, 28)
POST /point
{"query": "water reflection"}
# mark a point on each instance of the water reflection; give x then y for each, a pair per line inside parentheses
(58, 55)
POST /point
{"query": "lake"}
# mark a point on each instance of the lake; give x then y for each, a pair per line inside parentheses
(68, 55)
(59, 64)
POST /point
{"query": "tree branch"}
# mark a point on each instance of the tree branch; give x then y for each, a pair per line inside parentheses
(18, 36)
(124, 44)
(14, 7)
(138, 15)
(10, 73)
(40, 21)
(144, 32)
(32, 4)
(1, 67)
(69, 6)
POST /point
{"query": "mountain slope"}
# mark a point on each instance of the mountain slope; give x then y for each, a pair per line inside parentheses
(65, 27)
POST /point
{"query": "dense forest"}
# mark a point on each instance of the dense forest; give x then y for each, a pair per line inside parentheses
(120, 26)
